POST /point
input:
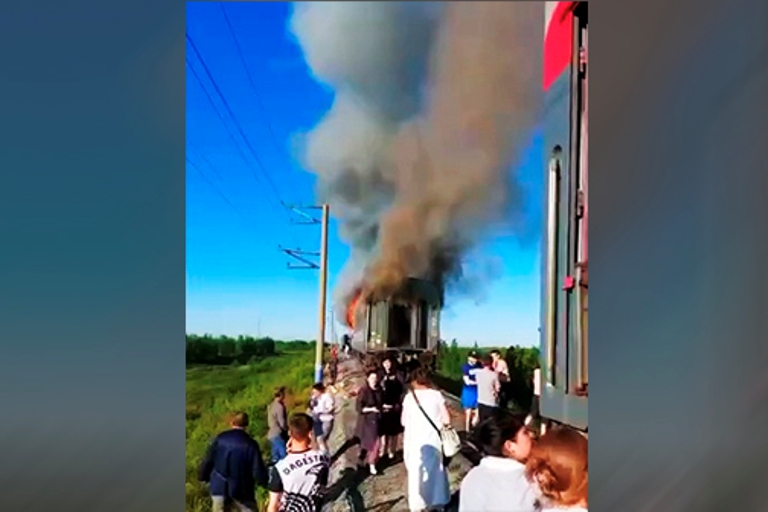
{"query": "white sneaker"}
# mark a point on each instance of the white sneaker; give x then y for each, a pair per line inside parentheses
(373, 469)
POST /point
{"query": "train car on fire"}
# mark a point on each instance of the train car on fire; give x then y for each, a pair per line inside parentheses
(564, 340)
(408, 322)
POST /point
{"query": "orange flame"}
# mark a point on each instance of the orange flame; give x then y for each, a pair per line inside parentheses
(352, 309)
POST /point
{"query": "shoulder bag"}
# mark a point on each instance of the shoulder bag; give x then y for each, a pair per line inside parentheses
(449, 438)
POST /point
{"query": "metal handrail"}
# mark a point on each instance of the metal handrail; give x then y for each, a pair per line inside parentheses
(551, 269)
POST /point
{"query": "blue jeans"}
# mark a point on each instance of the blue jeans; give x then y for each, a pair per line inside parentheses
(279, 450)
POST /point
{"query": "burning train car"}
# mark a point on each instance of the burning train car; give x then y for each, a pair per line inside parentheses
(407, 322)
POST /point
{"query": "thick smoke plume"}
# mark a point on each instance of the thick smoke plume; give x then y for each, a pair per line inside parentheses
(432, 101)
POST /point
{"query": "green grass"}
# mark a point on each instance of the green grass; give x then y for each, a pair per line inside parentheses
(213, 392)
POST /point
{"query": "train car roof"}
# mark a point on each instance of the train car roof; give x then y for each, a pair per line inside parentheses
(558, 39)
(419, 289)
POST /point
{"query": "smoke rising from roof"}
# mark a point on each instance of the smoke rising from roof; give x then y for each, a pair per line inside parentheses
(431, 103)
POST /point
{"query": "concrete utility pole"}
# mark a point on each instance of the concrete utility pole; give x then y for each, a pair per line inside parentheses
(323, 293)
(299, 255)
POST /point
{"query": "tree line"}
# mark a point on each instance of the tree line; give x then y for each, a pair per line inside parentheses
(225, 350)
(522, 361)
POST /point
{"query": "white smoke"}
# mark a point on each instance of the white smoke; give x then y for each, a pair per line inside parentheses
(413, 154)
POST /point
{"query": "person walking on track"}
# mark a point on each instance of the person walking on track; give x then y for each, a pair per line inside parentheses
(469, 390)
(322, 415)
(369, 409)
(392, 387)
(277, 420)
(346, 344)
(233, 467)
(424, 412)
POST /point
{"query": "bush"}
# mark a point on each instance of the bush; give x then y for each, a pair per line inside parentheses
(214, 392)
(223, 350)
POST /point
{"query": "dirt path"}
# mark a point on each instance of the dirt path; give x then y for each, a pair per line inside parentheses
(354, 490)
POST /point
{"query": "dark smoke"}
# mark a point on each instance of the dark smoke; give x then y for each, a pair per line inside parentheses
(431, 103)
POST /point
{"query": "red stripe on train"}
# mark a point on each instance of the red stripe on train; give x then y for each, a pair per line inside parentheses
(558, 42)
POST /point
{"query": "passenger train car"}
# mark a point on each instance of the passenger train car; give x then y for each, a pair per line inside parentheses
(408, 322)
(564, 339)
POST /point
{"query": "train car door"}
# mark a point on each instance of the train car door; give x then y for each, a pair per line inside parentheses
(564, 318)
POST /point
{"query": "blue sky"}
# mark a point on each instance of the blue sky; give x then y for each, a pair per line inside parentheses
(237, 280)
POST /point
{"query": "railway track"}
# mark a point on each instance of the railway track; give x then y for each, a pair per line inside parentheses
(352, 488)
(469, 451)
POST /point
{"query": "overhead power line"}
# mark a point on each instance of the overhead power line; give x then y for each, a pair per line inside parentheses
(226, 127)
(247, 69)
(237, 124)
(224, 101)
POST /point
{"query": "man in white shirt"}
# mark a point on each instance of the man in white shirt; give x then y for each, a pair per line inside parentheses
(322, 414)
(505, 444)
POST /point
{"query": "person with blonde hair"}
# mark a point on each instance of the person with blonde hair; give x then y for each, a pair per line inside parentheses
(559, 467)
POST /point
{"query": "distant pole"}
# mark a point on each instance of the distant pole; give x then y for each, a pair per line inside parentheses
(323, 288)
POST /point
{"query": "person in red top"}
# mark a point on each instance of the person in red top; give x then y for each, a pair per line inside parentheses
(334, 366)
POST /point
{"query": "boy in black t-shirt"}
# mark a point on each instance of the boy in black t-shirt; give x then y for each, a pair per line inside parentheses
(297, 483)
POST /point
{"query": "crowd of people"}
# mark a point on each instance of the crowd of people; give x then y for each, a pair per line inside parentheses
(399, 409)
(487, 389)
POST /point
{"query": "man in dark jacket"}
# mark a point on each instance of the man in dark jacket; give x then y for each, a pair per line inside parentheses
(233, 467)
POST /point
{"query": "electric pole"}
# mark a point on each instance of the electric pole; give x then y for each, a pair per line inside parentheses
(300, 255)
(323, 289)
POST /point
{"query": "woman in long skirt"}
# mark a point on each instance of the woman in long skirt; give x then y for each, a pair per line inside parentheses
(424, 412)
(392, 387)
(369, 407)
